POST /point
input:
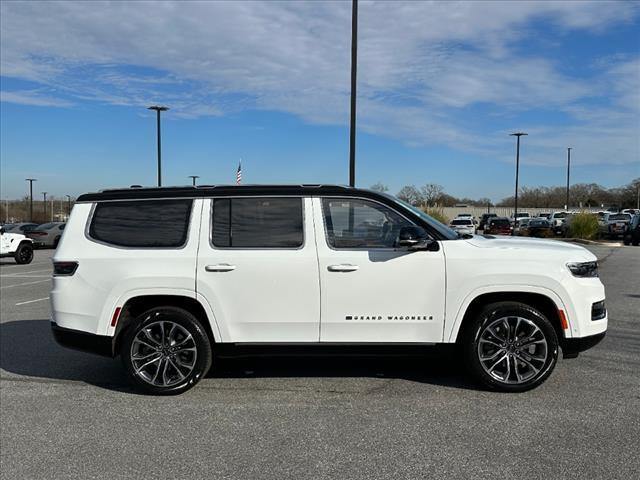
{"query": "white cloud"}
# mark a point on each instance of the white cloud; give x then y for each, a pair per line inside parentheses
(420, 64)
(33, 98)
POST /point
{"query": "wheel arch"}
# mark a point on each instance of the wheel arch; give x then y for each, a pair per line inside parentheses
(540, 301)
(137, 305)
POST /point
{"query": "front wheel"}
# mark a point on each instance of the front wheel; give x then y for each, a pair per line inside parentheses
(166, 351)
(511, 347)
(24, 254)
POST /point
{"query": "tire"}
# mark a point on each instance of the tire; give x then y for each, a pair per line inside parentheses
(154, 364)
(626, 240)
(24, 254)
(507, 366)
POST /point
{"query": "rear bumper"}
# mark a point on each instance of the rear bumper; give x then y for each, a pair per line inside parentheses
(571, 347)
(83, 341)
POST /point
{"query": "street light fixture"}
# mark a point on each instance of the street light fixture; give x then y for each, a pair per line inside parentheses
(158, 109)
(515, 206)
(193, 179)
(568, 171)
(31, 180)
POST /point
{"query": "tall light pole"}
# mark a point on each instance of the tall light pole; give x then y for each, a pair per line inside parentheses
(515, 206)
(158, 109)
(354, 70)
(31, 180)
(193, 179)
(568, 171)
(68, 205)
(44, 205)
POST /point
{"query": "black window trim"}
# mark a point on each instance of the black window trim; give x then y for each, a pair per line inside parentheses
(87, 227)
(364, 249)
(231, 197)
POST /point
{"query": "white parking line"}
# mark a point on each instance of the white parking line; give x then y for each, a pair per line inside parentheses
(25, 276)
(32, 301)
(21, 284)
(24, 273)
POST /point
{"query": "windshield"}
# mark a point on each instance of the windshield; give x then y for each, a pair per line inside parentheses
(461, 222)
(443, 230)
(560, 215)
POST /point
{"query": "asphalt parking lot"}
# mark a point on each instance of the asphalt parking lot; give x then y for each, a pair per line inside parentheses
(66, 414)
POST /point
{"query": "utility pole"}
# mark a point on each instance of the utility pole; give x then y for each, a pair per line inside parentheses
(515, 207)
(193, 179)
(68, 206)
(158, 109)
(354, 71)
(44, 205)
(568, 172)
(31, 180)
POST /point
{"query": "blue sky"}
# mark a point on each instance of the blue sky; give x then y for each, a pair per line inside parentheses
(441, 85)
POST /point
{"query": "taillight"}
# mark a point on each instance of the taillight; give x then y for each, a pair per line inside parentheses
(64, 268)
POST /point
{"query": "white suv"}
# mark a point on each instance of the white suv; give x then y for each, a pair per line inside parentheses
(17, 246)
(164, 277)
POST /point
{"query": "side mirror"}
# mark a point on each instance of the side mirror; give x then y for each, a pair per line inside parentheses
(1, 230)
(415, 238)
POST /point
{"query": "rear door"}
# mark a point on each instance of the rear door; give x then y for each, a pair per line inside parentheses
(258, 269)
(372, 291)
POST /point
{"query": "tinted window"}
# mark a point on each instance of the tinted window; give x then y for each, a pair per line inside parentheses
(257, 222)
(620, 216)
(353, 223)
(500, 223)
(461, 222)
(46, 226)
(143, 223)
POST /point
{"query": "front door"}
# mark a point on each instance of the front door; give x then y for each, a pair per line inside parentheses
(371, 290)
(258, 269)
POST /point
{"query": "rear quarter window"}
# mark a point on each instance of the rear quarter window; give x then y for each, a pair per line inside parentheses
(142, 223)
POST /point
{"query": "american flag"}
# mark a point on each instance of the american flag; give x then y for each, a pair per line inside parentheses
(239, 173)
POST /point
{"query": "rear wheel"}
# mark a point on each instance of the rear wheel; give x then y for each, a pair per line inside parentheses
(166, 351)
(511, 347)
(24, 254)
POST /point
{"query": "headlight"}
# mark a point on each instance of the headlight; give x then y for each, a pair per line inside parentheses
(583, 269)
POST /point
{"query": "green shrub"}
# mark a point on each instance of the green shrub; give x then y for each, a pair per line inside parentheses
(584, 225)
(437, 214)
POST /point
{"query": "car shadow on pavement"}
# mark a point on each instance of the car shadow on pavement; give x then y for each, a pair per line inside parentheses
(28, 349)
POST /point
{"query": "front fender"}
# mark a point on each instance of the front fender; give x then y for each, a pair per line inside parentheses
(453, 328)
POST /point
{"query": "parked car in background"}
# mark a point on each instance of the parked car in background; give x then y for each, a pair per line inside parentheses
(539, 228)
(464, 226)
(20, 228)
(614, 225)
(546, 215)
(519, 216)
(557, 220)
(47, 234)
(484, 218)
(521, 225)
(15, 245)
(632, 235)
(631, 211)
(498, 226)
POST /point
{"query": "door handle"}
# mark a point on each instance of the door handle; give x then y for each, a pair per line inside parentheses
(342, 268)
(223, 267)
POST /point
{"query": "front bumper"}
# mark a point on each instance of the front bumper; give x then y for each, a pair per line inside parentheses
(571, 347)
(83, 341)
